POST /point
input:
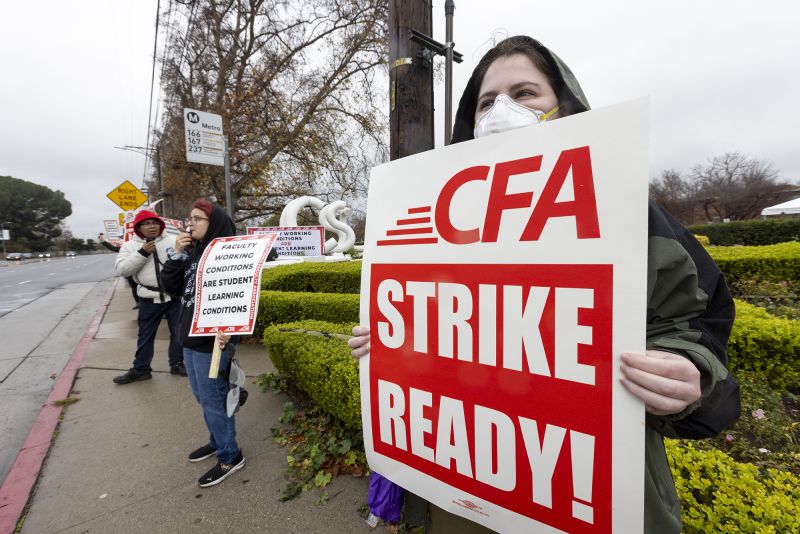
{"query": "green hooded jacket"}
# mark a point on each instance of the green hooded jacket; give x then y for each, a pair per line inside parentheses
(689, 312)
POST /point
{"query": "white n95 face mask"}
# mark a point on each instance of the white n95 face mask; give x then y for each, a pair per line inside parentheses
(505, 114)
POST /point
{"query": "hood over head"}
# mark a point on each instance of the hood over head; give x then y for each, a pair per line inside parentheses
(219, 225)
(143, 216)
(570, 95)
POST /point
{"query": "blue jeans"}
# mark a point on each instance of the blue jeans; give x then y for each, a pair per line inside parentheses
(150, 315)
(211, 394)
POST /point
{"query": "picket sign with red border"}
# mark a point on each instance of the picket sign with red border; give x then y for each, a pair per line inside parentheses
(294, 241)
(171, 227)
(228, 282)
(502, 279)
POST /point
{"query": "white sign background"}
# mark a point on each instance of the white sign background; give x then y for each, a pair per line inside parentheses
(228, 282)
(112, 228)
(204, 137)
(618, 140)
(295, 241)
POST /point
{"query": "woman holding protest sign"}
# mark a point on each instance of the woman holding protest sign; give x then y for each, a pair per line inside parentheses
(205, 223)
(681, 378)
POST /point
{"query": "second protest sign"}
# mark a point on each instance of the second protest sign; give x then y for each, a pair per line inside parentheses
(228, 281)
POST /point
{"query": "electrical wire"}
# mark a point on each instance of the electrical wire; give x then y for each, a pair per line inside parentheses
(167, 42)
(152, 84)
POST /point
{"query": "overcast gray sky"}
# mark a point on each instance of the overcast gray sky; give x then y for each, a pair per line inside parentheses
(721, 76)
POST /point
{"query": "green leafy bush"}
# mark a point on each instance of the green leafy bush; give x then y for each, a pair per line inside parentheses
(765, 345)
(781, 298)
(719, 494)
(773, 262)
(320, 366)
(755, 232)
(322, 277)
(320, 446)
(283, 306)
(703, 240)
(766, 434)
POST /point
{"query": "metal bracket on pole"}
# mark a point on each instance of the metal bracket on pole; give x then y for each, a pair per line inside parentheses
(431, 47)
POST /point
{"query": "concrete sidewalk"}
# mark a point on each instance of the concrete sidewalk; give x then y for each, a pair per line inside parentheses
(118, 463)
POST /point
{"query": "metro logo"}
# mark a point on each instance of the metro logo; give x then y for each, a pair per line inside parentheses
(573, 163)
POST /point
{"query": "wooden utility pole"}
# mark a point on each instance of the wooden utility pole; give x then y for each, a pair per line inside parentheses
(411, 79)
(410, 119)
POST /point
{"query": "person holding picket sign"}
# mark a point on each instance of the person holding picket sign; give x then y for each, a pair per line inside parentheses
(681, 378)
(205, 223)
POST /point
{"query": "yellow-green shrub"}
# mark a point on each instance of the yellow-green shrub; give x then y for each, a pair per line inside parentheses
(771, 262)
(283, 306)
(320, 366)
(754, 232)
(766, 345)
(314, 277)
(719, 494)
(703, 240)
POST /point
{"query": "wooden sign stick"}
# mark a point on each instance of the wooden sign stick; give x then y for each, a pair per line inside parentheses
(213, 371)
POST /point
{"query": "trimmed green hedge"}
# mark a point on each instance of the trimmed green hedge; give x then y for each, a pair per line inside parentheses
(760, 343)
(766, 345)
(755, 232)
(772, 262)
(321, 277)
(719, 494)
(283, 306)
(320, 366)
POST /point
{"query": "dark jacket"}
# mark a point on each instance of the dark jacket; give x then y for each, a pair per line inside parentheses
(109, 246)
(179, 275)
(689, 312)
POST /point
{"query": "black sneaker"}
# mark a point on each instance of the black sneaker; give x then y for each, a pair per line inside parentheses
(206, 451)
(178, 369)
(220, 472)
(132, 375)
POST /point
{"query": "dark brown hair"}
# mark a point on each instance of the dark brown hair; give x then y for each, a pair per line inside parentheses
(521, 44)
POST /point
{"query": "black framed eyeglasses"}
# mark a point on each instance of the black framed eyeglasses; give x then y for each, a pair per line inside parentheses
(194, 220)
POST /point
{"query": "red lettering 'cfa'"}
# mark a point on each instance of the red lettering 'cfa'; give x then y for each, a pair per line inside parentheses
(500, 200)
(446, 230)
(583, 208)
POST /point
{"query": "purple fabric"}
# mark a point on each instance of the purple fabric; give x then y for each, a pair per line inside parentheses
(385, 498)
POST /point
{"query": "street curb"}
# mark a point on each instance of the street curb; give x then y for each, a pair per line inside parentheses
(25, 471)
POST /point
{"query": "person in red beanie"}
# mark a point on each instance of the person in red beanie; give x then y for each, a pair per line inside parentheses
(142, 258)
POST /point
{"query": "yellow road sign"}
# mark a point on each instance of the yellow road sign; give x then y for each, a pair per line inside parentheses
(127, 196)
(121, 220)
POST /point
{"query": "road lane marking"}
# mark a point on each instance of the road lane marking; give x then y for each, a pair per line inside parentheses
(50, 274)
(25, 282)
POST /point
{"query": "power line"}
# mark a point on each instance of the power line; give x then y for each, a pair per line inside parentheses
(170, 21)
(152, 84)
(172, 97)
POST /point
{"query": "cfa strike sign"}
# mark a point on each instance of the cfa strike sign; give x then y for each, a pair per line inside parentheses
(228, 282)
(502, 279)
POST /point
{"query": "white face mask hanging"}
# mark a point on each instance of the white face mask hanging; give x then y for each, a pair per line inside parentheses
(505, 114)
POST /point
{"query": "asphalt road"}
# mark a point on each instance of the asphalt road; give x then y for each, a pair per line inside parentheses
(45, 307)
(24, 282)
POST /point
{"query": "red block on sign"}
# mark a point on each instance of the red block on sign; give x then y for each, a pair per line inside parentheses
(496, 379)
